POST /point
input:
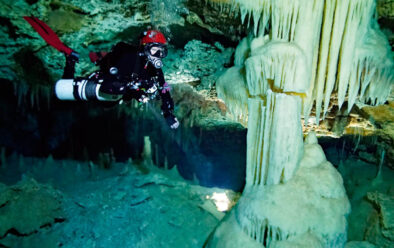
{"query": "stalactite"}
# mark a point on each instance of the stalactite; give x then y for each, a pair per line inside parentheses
(376, 68)
(332, 30)
(284, 19)
(333, 60)
(358, 17)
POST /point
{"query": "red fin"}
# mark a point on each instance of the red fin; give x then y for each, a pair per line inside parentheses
(47, 34)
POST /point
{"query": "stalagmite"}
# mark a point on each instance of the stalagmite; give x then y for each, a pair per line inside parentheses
(274, 127)
(311, 207)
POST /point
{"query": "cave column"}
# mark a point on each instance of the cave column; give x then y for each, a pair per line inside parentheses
(274, 141)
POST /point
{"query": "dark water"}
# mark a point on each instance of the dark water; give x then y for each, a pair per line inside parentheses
(101, 133)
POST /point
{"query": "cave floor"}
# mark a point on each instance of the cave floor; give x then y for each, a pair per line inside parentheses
(127, 206)
(140, 205)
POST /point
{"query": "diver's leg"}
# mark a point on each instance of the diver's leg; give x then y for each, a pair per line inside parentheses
(69, 68)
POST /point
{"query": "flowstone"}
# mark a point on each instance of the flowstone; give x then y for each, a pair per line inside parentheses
(236, 100)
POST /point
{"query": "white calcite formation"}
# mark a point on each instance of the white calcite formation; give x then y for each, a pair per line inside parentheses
(274, 139)
(293, 197)
(345, 51)
(240, 96)
(309, 210)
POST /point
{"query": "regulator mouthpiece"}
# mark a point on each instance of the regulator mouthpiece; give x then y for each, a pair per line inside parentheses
(156, 62)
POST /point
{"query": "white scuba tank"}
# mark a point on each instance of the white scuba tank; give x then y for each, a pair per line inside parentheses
(82, 89)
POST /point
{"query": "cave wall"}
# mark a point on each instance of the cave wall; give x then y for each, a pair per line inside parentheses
(98, 25)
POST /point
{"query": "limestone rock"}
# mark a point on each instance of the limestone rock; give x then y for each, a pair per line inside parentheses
(28, 206)
(359, 244)
(220, 17)
(382, 117)
(385, 11)
(381, 228)
(197, 62)
(385, 8)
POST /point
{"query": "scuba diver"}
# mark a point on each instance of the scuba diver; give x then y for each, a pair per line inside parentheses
(126, 72)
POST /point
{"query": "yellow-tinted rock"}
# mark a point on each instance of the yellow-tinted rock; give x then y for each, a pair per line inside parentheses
(383, 118)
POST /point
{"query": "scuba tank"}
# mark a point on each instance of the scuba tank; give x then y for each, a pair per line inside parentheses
(83, 89)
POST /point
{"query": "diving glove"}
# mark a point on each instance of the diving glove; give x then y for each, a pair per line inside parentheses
(172, 121)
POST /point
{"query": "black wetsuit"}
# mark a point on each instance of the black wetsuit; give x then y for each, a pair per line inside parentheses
(125, 68)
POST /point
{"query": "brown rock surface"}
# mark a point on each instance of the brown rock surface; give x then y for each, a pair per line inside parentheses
(382, 118)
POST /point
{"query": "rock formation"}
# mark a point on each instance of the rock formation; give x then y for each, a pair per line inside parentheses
(311, 48)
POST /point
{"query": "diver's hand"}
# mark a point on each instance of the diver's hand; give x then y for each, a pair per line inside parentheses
(175, 125)
(172, 121)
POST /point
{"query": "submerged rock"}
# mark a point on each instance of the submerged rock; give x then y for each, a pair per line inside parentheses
(381, 221)
(28, 206)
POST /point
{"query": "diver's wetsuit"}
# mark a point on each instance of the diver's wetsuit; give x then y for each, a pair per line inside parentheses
(125, 71)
